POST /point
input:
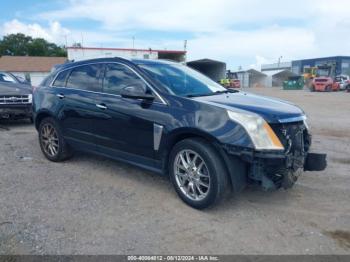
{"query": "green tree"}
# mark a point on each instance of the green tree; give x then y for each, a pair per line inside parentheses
(22, 45)
(15, 44)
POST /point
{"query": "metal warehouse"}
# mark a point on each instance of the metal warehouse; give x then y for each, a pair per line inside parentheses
(341, 64)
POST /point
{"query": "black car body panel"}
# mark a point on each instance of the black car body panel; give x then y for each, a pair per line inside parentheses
(143, 132)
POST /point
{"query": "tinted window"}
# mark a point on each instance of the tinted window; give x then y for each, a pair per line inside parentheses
(85, 78)
(119, 76)
(61, 78)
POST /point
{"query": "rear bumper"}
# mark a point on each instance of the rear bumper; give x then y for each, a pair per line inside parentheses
(16, 111)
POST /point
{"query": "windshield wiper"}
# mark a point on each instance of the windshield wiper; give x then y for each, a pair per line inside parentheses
(196, 95)
(213, 94)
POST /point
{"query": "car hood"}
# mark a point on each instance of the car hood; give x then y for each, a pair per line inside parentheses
(271, 109)
(14, 89)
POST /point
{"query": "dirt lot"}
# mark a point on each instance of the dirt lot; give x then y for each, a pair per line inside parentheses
(90, 205)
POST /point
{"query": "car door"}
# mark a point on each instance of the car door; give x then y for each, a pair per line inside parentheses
(128, 130)
(82, 87)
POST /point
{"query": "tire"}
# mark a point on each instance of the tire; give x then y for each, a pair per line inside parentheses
(328, 88)
(312, 89)
(209, 178)
(31, 119)
(58, 150)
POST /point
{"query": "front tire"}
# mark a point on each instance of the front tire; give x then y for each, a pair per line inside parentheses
(52, 142)
(197, 173)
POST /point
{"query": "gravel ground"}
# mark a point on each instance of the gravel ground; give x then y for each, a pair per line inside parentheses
(92, 205)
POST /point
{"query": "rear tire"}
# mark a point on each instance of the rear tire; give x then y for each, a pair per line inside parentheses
(198, 173)
(52, 142)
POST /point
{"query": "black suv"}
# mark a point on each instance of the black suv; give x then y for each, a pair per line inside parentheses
(168, 118)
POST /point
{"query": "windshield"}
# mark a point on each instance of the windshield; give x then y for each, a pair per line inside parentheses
(323, 72)
(7, 78)
(182, 80)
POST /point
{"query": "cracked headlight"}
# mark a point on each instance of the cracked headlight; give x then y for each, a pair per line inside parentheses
(260, 132)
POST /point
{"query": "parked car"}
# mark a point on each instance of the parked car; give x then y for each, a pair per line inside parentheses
(343, 80)
(168, 118)
(15, 97)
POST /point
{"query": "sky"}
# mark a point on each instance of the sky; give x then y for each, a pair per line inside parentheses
(242, 33)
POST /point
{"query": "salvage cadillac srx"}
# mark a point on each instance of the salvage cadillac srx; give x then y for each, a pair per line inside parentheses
(168, 118)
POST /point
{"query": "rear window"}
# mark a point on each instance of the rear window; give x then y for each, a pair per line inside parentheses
(85, 77)
(61, 79)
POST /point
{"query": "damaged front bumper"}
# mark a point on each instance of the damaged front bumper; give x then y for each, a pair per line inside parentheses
(280, 168)
(273, 170)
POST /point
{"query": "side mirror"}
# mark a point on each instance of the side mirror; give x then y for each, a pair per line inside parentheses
(136, 92)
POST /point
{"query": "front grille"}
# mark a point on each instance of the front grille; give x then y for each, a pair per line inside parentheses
(321, 80)
(294, 137)
(296, 141)
(14, 99)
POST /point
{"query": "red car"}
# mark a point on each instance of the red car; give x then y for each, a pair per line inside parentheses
(324, 84)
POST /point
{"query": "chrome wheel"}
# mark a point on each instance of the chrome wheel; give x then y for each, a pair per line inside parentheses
(49, 139)
(191, 175)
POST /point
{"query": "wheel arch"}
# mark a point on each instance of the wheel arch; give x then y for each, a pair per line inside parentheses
(40, 116)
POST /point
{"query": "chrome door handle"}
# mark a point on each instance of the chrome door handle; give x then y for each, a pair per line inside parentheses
(60, 96)
(101, 106)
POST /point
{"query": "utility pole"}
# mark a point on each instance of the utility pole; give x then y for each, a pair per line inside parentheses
(66, 41)
(279, 62)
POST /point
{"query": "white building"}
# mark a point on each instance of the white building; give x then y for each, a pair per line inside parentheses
(82, 53)
(276, 66)
(33, 68)
(275, 78)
